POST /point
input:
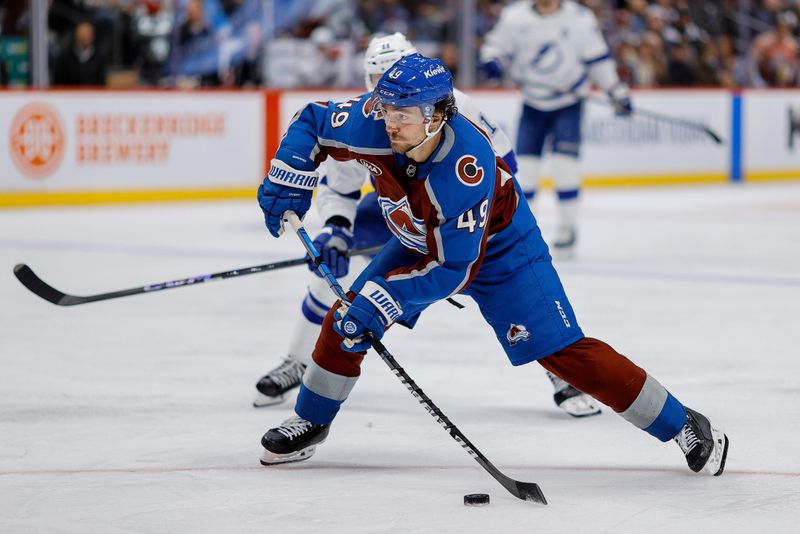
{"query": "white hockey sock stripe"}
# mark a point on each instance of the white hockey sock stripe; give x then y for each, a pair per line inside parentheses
(315, 306)
(648, 404)
(327, 384)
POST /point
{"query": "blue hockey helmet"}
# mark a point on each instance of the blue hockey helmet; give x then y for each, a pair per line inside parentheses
(419, 81)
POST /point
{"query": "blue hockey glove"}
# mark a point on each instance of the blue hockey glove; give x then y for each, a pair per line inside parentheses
(285, 189)
(332, 243)
(276, 199)
(621, 99)
(492, 69)
(371, 311)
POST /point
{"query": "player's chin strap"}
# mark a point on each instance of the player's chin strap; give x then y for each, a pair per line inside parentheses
(428, 136)
(527, 491)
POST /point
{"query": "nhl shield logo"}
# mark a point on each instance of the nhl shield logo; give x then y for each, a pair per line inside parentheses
(517, 333)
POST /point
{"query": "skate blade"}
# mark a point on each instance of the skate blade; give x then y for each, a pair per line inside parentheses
(270, 458)
(262, 400)
(581, 406)
(716, 463)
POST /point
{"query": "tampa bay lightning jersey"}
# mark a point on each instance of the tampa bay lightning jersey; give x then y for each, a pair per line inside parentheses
(552, 57)
(443, 210)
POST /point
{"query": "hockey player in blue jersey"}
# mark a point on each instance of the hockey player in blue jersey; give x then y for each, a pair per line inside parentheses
(553, 49)
(355, 222)
(459, 226)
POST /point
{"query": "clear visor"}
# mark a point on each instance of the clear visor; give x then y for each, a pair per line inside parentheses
(409, 115)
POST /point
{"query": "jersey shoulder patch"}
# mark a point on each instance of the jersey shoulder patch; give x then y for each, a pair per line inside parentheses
(468, 171)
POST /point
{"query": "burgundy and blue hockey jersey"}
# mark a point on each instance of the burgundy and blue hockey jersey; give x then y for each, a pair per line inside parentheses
(451, 211)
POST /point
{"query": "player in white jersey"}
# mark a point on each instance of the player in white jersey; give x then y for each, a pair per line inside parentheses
(341, 206)
(553, 50)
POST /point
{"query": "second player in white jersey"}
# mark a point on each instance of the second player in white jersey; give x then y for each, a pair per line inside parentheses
(552, 57)
(553, 50)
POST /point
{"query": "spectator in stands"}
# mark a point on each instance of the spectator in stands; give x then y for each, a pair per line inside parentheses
(429, 23)
(651, 68)
(736, 70)
(486, 17)
(767, 11)
(656, 20)
(450, 57)
(81, 63)
(195, 26)
(325, 65)
(385, 16)
(627, 60)
(775, 52)
(248, 71)
(618, 29)
(680, 70)
(683, 29)
(194, 54)
(708, 70)
(638, 10)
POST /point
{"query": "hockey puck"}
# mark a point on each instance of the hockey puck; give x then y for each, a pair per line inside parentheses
(476, 499)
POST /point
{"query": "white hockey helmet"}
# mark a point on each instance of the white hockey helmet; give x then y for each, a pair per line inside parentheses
(382, 53)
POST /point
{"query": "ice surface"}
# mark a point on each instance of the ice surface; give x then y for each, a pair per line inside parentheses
(134, 415)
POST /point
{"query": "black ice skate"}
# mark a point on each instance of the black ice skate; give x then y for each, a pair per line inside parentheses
(293, 441)
(571, 400)
(705, 447)
(273, 386)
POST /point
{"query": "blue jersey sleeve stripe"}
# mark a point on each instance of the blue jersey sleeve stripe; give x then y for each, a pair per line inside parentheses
(578, 83)
(558, 94)
(597, 59)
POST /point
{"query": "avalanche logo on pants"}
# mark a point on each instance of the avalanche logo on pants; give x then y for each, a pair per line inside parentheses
(517, 333)
(410, 230)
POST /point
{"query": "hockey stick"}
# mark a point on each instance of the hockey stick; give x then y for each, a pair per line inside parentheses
(595, 97)
(42, 289)
(692, 125)
(528, 491)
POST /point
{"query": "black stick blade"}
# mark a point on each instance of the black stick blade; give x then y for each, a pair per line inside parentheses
(530, 491)
(717, 139)
(39, 287)
(527, 491)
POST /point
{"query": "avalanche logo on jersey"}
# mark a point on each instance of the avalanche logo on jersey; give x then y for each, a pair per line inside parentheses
(410, 230)
(372, 107)
(467, 170)
(517, 333)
